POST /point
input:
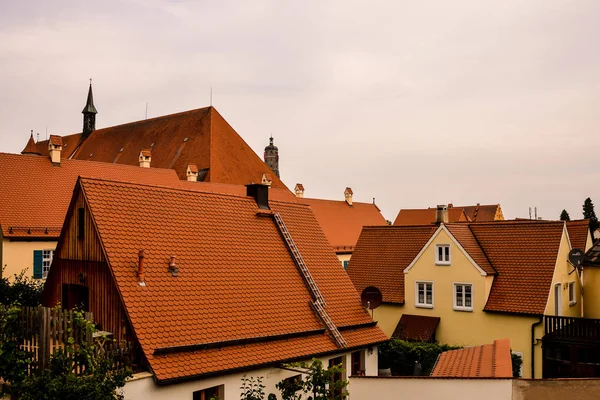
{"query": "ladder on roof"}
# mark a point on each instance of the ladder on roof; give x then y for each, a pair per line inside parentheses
(319, 302)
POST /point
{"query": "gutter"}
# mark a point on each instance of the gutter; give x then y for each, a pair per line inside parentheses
(533, 344)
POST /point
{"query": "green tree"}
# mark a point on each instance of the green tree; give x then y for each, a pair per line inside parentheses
(23, 290)
(564, 216)
(400, 356)
(590, 214)
(320, 383)
(14, 361)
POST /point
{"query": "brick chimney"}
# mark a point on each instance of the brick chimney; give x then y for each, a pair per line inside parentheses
(173, 267)
(145, 158)
(299, 190)
(441, 214)
(55, 145)
(266, 179)
(348, 195)
(192, 172)
(260, 193)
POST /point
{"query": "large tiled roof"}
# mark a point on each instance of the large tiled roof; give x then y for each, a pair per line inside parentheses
(481, 212)
(236, 279)
(487, 361)
(200, 137)
(464, 235)
(578, 233)
(426, 216)
(36, 194)
(416, 327)
(592, 256)
(341, 222)
(381, 255)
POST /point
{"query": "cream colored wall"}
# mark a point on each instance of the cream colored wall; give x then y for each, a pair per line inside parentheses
(18, 256)
(466, 328)
(429, 389)
(387, 317)
(143, 386)
(343, 257)
(562, 277)
(591, 295)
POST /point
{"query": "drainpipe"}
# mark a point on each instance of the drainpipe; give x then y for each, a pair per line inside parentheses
(533, 345)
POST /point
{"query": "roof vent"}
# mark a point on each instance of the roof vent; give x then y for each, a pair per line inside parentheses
(260, 193)
(55, 145)
(145, 158)
(299, 190)
(441, 215)
(348, 195)
(172, 267)
(192, 172)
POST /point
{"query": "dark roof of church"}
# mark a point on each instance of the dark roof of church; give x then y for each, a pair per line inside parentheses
(89, 105)
(200, 137)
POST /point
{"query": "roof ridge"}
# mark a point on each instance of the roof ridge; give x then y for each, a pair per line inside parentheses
(482, 250)
(151, 119)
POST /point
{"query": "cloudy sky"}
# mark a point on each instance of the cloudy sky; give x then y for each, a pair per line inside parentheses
(415, 103)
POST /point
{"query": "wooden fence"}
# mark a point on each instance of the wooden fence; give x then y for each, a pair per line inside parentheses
(45, 330)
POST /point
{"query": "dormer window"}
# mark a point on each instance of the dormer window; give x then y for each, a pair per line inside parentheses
(442, 254)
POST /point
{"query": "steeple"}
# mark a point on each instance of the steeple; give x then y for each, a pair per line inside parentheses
(30, 148)
(272, 157)
(89, 115)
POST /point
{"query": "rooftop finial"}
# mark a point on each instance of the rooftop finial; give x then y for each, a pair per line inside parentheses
(89, 114)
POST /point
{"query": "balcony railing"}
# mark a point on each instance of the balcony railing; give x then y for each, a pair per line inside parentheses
(571, 328)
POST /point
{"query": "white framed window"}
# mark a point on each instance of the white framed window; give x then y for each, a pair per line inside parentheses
(572, 299)
(47, 256)
(463, 296)
(424, 294)
(442, 254)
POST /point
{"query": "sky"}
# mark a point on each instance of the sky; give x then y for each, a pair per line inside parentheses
(413, 103)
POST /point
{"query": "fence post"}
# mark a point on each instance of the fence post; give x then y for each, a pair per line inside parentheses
(44, 337)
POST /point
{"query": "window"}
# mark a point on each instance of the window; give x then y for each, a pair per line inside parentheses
(80, 222)
(358, 363)
(47, 256)
(210, 393)
(424, 294)
(292, 385)
(463, 296)
(345, 263)
(337, 377)
(442, 254)
(572, 299)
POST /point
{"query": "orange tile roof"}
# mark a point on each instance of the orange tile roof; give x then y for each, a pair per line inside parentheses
(578, 233)
(30, 148)
(200, 137)
(238, 190)
(592, 256)
(416, 327)
(36, 194)
(233, 268)
(487, 361)
(342, 223)
(427, 216)
(481, 212)
(381, 255)
(56, 140)
(464, 235)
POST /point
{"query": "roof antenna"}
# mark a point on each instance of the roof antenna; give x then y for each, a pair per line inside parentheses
(46, 132)
(146, 110)
(211, 96)
(38, 136)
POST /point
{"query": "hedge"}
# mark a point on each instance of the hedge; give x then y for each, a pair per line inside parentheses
(400, 356)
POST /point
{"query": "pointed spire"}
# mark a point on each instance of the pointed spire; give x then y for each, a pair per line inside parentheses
(31, 148)
(89, 106)
(89, 115)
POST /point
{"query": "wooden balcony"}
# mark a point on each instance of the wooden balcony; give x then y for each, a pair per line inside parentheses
(571, 328)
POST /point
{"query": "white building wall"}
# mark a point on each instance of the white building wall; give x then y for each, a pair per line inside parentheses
(143, 387)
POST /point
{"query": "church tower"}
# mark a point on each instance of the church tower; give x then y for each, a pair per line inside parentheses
(89, 115)
(272, 157)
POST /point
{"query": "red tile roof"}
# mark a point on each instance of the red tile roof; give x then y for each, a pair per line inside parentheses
(30, 148)
(56, 140)
(464, 235)
(416, 327)
(481, 212)
(487, 361)
(36, 194)
(200, 137)
(382, 254)
(592, 256)
(342, 223)
(233, 269)
(578, 233)
(427, 216)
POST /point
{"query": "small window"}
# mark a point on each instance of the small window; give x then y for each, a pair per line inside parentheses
(47, 256)
(463, 296)
(80, 222)
(572, 299)
(358, 363)
(345, 263)
(424, 294)
(338, 376)
(215, 392)
(442, 254)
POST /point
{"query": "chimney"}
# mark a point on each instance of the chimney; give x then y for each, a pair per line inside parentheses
(141, 268)
(55, 145)
(172, 267)
(192, 172)
(260, 193)
(348, 195)
(145, 158)
(299, 190)
(441, 215)
(266, 179)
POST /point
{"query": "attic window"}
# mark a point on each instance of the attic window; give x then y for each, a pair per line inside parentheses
(442, 254)
(80, 222)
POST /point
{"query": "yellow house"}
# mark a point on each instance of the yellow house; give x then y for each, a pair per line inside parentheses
(476, 281)
(591, 281)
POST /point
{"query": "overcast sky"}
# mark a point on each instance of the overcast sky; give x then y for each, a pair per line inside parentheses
(415, 103)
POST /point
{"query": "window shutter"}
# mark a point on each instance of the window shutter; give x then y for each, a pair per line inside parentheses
(37, 264)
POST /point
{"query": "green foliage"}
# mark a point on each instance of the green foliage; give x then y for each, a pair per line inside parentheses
(517, 361)
(252, 389)
(23, 290)
(564, 216)
(320, 383)
(95, 378)
(589, 213)
(400, 356)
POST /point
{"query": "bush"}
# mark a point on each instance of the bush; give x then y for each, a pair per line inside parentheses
(400, 356)
(23, 290)
(517, 361)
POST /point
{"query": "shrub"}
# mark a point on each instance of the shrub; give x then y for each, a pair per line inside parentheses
(400, 356)
(517, 361)
(23, 290)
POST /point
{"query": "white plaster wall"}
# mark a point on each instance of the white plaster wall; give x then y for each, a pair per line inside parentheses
(143, 387)
(429, 389)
